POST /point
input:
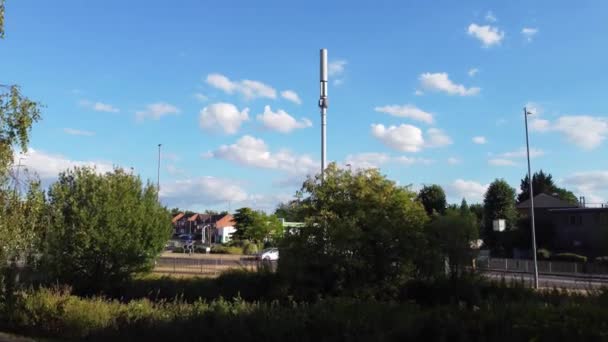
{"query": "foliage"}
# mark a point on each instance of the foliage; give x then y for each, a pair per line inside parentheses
(433, 199)
(103, 227)
(361, 231)
(451, 236)
(1, 19)
(498, 203)
(256, 225)
(569, 257)
(542, 183)
(516, 315)
(543, 254)
(219, 249)
(290, 211)
(250, 249)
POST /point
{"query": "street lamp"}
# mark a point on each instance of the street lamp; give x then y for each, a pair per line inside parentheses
(526, 113)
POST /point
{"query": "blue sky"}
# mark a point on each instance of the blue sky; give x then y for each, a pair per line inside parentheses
(427, 92)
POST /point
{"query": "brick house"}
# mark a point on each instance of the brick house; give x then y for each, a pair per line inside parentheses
(206, 228)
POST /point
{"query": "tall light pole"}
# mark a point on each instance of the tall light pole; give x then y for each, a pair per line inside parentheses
(158, 173)
(323, 106)
(17, 175)
(526, 113)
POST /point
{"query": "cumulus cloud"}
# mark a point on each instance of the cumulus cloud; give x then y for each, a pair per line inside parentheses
(490, 17)
(591, 184)
(223, 116)
(437, 138)
(404, 138)
(406, 111)
(585, 131)
(72, 131)
(201, 192)
(156, 111)
(281, 121)
(201, 97)
(529, 33)
(488, 35)
(471, 190)
(404, 160)
(99, 106)
(251, 151)
(367, 160)
(337, 67)
(454, 161)
(291, 96)
(522, 153)
(48, 166)
(480, 140)
(501, 162)
(473, 71)
(248, 88)
(442, 83)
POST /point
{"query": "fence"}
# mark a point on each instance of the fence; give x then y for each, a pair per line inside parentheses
(544, 267)
(208, 265)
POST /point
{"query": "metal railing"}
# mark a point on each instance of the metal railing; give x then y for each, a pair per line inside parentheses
(544, 267)
(211, 265)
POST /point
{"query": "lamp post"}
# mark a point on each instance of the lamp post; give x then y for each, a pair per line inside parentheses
(526, 113)
(17, 175)
(323, 106)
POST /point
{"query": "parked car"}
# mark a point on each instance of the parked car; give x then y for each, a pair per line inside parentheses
(269, 254)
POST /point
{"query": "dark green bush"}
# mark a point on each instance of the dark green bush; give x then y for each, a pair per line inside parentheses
(250, 249)
(571, 257)
(543, 254)
(179, 250)
(219, 249)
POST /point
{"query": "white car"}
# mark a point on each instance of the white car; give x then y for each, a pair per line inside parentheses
(270, 254)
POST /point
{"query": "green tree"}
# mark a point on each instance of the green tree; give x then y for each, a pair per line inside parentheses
(256, 225)
(290, 211)
(542, 183)
(433, 199)
(498, 203)
(1, 19)
(362, 230)
(103, 228)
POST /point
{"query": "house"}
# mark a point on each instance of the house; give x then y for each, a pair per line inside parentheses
(542, 204)
(205, 227)
(581, 230)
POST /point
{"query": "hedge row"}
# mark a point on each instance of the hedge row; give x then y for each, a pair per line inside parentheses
(57, 314)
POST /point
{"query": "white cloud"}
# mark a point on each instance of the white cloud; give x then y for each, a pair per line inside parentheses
(174, 170)
(473, 71)
(418, 92)
(441, 82)
(291, 96)
(404, 160)
(480, 140)
(335, 68)
(404, 138)
(248, 88)
(224, 116)
(156, 111)
(529, 33)
(437, 138)
(501, 162)
(169, 156)
(591, 184)
(539, 125)
(585, 131)
(201, 97)
(406, 111)
(534, 108)
(250, 151)
(338, 82)
(99, 106)
(72, 131)
(281, 121)
(48, 166)
(368, 160)
(471, 190)
(488, 35)
(522, 153)
(454, 161)
(201, 192)
(490, 17)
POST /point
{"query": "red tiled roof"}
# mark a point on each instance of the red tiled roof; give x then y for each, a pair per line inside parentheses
(225, 221)
(177, 217)
(193, 217)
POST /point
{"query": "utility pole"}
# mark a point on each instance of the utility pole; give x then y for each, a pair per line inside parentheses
(17, 175)
(158, 173)
(323, 106)
(526, 113)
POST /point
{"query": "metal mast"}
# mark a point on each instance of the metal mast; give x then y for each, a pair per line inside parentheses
(323, 106)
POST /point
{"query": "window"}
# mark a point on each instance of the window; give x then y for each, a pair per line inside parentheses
(572, 220)
(579, 220)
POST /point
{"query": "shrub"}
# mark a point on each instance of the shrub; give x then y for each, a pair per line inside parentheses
(219, 249)
(200, 249)
(602, 260)
(250, 249)
(543, 254)
(179, 250)
(569, 257)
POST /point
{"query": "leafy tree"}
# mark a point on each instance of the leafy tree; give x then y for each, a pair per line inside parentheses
(498, 203)
(290, 211)
(256, 225)
(543, 183)
(1, 19)
(451, 236)
(361, 231)
(433, 199)
(103, 228)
